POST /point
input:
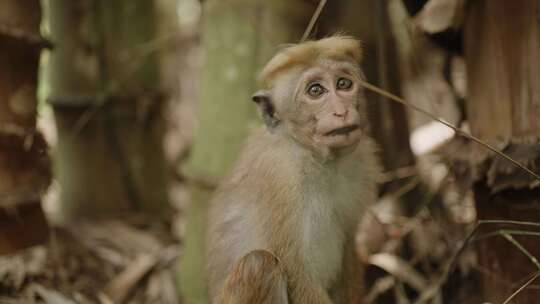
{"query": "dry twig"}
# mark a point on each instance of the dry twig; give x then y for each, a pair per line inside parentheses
(313, 20)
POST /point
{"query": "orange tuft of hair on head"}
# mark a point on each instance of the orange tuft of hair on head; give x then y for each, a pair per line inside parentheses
(338, 47)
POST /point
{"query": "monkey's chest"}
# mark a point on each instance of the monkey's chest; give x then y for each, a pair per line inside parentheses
(322, 241)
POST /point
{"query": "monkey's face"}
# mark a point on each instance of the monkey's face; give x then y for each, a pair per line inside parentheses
(321, 106)
(327, 113)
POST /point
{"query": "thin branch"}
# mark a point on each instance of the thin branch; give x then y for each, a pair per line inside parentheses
(507, 231)
(313, 20)
(513, 295)
(508, 222)
(449, 125)
(520, 247)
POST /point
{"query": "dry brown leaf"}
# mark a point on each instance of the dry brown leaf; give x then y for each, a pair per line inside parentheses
(104, 299)
(400, 269)
(439, 15)
(380, 287)
(51, 296)
(80, 260)
(169, 294)
(119, 288)
(117, 235)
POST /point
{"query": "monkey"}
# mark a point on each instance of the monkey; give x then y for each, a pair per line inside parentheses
(282, 224)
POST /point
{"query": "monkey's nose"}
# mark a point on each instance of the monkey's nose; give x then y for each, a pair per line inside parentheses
(341, 113)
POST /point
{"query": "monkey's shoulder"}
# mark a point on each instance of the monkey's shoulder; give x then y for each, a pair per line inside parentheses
(264, 156)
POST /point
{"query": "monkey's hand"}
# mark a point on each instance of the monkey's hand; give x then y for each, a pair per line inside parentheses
(256, 278)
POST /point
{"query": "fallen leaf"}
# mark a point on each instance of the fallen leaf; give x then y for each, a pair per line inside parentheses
(439, 15)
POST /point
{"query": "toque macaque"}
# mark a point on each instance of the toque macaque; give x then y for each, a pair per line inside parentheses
(282, 225)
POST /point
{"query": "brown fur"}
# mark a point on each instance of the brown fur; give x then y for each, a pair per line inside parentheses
(284, 196)
(258, 270)
(339, 48)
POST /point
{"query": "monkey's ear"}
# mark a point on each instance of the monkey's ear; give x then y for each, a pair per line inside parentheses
(263, 100)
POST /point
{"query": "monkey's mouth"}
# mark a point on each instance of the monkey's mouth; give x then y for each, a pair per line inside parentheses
(342, 131)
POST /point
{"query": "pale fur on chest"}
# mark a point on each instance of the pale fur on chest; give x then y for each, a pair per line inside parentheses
(327, 213)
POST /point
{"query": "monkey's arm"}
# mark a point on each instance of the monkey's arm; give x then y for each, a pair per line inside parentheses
(349, 287)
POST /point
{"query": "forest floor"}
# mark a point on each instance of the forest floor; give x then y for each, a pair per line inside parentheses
(129, 260)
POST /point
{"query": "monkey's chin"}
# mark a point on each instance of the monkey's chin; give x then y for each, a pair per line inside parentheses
(342, 142)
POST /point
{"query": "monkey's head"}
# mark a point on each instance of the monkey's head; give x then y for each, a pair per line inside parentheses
(312, 94)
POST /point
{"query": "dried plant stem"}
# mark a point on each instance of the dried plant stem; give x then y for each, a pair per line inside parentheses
(313, 20)
(515, 293)
(449, 125)
(520, 247)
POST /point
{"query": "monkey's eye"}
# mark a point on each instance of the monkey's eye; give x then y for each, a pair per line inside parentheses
(315, 90)
(344, 84)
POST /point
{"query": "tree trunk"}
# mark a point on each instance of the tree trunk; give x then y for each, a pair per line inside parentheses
(238, 38)
(502, 39)
(389, 119)
(24, 162)
(104, 87)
